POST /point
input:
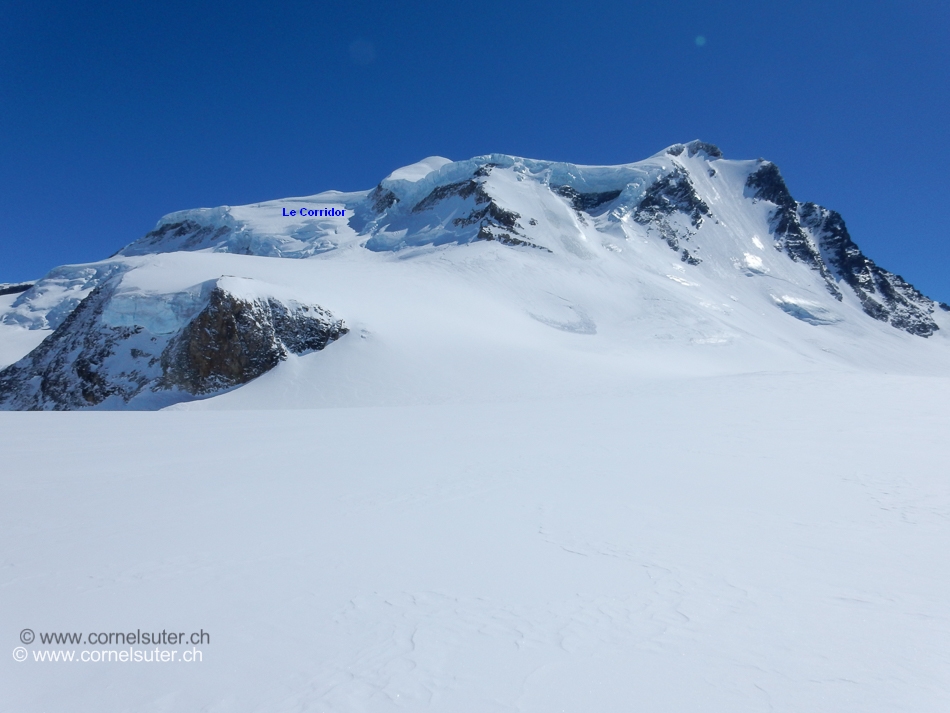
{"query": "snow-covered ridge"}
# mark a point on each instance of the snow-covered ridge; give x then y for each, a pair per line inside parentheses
(438, 201)
(261, 229)
(682, 243)
(14, 288)
(47, 303)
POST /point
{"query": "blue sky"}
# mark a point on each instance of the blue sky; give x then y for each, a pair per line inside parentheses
(112, 115)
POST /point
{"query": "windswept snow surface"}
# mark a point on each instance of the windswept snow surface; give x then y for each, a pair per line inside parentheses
(651, 437)
(765, 542)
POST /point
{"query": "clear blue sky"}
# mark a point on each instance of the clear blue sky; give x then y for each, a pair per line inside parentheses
(112, 115)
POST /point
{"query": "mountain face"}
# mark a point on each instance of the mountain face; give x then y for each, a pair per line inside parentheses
(115, 346)
(685, 245)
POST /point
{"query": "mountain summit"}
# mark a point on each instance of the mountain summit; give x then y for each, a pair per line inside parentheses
(683, 261)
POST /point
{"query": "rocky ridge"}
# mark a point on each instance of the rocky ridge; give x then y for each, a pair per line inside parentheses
(459, 204)
(883, 295)
(13, 288)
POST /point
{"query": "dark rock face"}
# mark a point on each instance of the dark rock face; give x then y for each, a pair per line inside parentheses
(382, 199)
(194, 234)
(883, 295)
(65, 368)
(233, 341)
(818, 237)
(462, 189)
(485, 170)
(767, 184)
(490, 215)
(672, 195)
(688, 258)
(494, 222)
(486, 213)
(693, 148)
(711, 150)
(585, 202)
(228, 342)
(484, 233)
(15, 288)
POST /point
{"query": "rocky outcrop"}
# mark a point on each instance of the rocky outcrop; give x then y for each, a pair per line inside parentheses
(767, 184)
(232, 341)
(485, 233)
(176, 347)
(695, 147)
(14, 288)
(382, 199)
(670, 194)
(66, 371)
(478, 217)
(882, 294)
(487, 214)
(666, 203)
(185, 235)
(586, 202)
(462, 189)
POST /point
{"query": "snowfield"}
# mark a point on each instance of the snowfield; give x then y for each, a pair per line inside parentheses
(653, 437)
(766, 542)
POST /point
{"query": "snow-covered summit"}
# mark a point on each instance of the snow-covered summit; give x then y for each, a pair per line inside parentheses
(682, 248)
(419, 170)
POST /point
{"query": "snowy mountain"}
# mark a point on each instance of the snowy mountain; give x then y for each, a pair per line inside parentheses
(494, 436)
(684, 261)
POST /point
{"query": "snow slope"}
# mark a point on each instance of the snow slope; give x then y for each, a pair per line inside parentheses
(17, 341)
(770, 542)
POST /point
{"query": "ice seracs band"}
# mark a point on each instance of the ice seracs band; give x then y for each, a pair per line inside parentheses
(316, 212)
